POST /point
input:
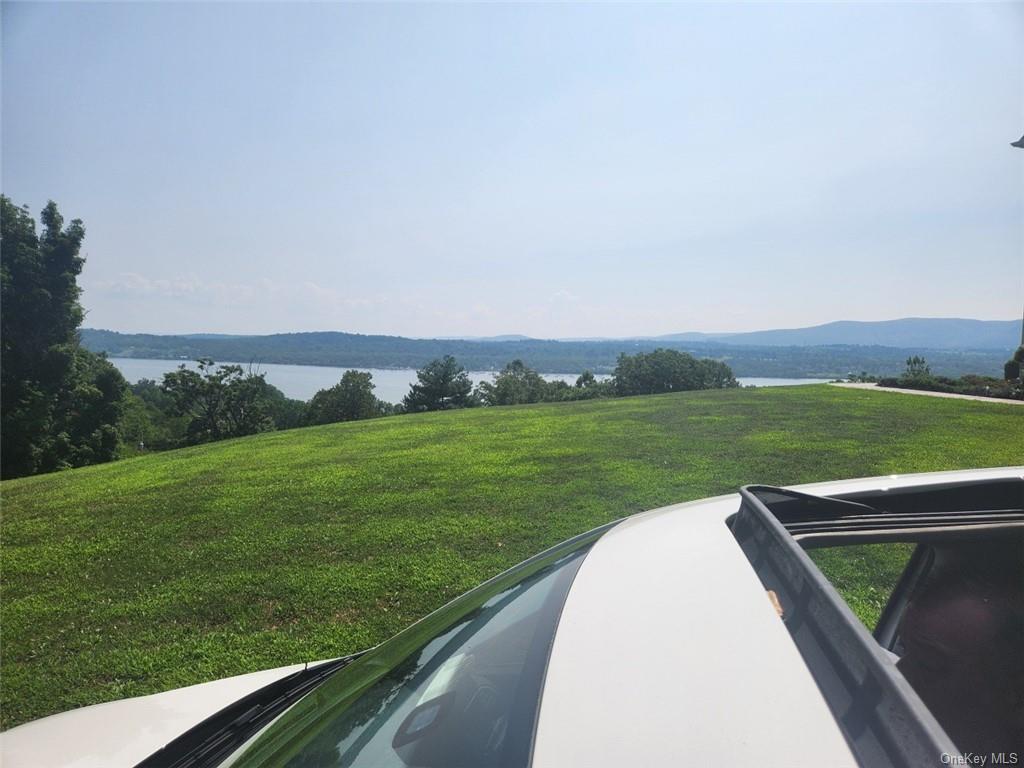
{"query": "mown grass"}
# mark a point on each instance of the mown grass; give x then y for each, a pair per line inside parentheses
(175, 568)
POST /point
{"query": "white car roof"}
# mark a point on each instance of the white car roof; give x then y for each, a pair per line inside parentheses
(669, 652)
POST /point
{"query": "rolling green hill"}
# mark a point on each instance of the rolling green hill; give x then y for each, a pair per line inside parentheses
(174, 568)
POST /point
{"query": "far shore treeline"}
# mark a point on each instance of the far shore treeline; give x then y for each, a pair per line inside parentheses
(353, 350)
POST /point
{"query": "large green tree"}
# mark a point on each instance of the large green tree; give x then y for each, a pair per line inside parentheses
(221, 402)
(60, 404)
(917, 370)
(516, 383)
(442, 384)
(587, 387)
(350, 399)
(667, 370)
(150, 422)
(158, 418)
(286, 412)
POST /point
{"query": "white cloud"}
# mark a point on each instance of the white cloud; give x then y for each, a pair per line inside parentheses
(563, 296)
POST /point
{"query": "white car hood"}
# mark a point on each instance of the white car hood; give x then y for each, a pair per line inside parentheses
(122, 733)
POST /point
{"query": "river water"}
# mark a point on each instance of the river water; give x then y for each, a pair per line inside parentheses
(392, 384)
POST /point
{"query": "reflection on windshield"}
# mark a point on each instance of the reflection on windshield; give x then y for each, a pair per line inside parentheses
(460, 689)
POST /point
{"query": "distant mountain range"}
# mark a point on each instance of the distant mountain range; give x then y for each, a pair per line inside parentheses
(506, 337)
(921, 332)
(952, 346)
(917, 332)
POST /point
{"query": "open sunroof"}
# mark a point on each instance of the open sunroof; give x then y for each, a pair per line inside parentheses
(802, 514)
(883, 719)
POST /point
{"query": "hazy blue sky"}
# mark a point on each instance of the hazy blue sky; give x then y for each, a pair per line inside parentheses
(563, 170)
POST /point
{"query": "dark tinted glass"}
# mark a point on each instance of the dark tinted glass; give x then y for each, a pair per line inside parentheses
(961, 644)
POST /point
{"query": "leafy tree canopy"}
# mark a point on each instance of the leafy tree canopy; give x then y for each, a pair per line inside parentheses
(587, 387)
(442, 384)
(350, 399)
(917, 369)
(220, 402)
(585, 379)
(667, 370)
(285, 412)
(149, 422)
(60, 403)
(514, 384)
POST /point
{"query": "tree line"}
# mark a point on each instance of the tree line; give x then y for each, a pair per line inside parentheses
(63, 406)
(210, 403)
(918, 375)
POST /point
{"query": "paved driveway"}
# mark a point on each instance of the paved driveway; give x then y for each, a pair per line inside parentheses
(876, 388)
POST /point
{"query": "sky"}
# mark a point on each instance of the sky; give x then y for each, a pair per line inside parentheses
(553, 170)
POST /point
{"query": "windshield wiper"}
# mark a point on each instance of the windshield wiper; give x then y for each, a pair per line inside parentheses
(209, 743)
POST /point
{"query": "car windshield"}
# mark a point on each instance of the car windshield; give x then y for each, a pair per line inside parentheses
(460, 688)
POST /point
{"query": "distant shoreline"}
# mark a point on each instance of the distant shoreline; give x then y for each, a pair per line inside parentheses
(341, 350)
(337, 367)
(301, 382)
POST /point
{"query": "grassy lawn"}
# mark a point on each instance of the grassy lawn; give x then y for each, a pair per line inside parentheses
(175, 568)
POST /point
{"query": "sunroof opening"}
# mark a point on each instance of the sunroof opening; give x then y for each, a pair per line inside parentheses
(950, 615)
(908, 608)
(864, 574)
